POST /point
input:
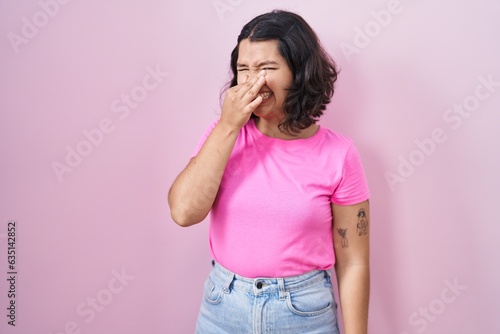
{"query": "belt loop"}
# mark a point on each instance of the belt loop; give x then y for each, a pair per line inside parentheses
(328, 275)
(224, 276)
(281, 287)
(228, 279)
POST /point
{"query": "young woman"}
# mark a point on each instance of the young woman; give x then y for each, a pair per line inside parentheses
(288, 197)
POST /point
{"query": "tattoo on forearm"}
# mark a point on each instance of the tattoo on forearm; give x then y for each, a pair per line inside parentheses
(362, 222)
(343, 232)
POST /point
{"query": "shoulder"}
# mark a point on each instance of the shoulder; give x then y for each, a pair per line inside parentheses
(335, 140)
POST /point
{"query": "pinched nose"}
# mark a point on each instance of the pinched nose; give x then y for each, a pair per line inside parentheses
(245, 77)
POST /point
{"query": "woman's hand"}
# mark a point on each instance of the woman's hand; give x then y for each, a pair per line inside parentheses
(241, 100)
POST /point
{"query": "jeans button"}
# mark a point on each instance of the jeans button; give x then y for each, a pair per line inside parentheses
(258, 285)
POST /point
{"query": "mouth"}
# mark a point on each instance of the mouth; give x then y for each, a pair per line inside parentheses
(265, 95)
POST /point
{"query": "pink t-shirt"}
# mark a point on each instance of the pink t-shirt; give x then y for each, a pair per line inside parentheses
(272, 215)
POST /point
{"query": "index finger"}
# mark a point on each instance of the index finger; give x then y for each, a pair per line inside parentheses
(248, 84)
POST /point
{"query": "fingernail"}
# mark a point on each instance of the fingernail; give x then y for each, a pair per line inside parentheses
(262, 73)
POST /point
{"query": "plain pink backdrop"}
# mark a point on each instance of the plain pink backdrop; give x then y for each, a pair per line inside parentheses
(67, 66)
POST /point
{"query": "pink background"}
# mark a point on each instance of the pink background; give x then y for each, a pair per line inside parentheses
(108, 217)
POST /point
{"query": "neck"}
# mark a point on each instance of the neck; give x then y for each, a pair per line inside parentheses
(271, 129)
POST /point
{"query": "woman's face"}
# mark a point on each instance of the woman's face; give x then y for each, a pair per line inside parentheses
(256, 56)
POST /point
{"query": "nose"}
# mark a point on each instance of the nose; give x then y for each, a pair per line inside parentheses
(248, 74)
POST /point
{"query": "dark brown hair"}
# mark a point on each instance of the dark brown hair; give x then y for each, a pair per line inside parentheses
(314, 71)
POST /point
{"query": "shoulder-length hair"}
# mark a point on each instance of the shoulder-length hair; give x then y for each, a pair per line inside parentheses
(314, 71)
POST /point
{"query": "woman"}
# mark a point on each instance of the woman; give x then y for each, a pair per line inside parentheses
(288, 198)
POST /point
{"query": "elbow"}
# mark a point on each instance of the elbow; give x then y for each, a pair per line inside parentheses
(183, 218)
(182, 214)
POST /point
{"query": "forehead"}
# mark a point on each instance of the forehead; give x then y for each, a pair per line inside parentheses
(255, 52)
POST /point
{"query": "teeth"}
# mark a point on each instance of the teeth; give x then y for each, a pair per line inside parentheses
(265, 95)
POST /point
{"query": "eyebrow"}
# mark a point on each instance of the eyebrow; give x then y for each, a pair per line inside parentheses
(262, 63)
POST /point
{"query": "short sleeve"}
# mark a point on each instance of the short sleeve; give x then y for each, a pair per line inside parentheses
(203, 138)
(353, 187)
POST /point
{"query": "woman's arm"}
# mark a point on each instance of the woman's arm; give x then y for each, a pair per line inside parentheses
(193, 192)
(352, 251)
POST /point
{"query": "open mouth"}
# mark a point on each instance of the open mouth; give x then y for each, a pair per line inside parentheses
(265, 95)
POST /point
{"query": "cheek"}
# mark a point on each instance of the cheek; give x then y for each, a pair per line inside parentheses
(278, 83)
(276, 86)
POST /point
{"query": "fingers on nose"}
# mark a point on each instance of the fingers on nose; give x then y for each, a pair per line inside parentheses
(246, 77)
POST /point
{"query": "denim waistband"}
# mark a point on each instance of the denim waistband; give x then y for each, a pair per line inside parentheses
(265, 285)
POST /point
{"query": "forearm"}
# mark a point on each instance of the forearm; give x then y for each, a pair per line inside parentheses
(354, 293)
(193, 192)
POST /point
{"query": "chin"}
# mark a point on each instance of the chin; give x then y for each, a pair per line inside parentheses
(263, 109)
(269, 115)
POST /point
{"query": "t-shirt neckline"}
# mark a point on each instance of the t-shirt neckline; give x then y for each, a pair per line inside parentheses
(260, 135)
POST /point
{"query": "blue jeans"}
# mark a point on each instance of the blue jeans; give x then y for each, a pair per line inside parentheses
(237, 305)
